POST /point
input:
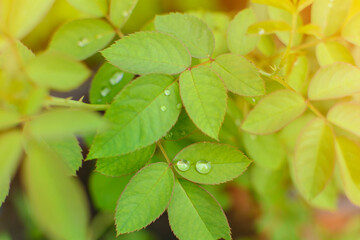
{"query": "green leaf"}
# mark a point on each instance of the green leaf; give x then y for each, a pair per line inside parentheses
(310, 29)
(329, 15)
(10, 153)
(107, 83)
(19, 17)
(283, 4)
(105, 191)
(125, 164)
(348, 154)
(194, 214)
(237, 39)
(82, 38)
(266, 151)
(132, 54)
(141, 114)
(334, 81)
(327, 199)
(192, 31)
(53, 195)
(347, 116)
(68, 150)
(350, 31)
(57, 72)
(97, 8)
(280, 15)
(145, 198)
(314, 158)
(8, 119)
(58, 123)
(183, 127)
(204, 97)
(120, 11)
(268, 27)
(266, 45)
(273, 112)
(331, 52)
(298, 76)
(240, 76)
(225, 162)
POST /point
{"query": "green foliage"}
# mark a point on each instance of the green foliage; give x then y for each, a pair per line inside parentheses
(194, 214)
(203, 93)
(224, 163)
(132, 54)
(193, 32)
(145, 198)
(82, 38)
(181, 100)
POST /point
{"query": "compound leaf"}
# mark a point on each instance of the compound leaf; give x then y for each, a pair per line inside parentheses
(141, 114)
(125, 164)
(82, 38)
(273, 112)
(240, 76)
(53, 195)
(347, 116)
(145, 198)
(334, 81)
(204, 97)
(107, 83)
(194, 214)
(239, 42)
(225, 162)
(57, 72)
(314, 158)
(192, 31)
(148, 52)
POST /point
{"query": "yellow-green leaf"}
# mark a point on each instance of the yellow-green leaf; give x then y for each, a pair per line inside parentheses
(351, 30)
(121, 10)
(268, 27)
(314, 158)
(273, 112)
(334, 81)
(348, 155)
(282, 4)
(329, 14)
(97, 8)
(347, 116)
(331, 52)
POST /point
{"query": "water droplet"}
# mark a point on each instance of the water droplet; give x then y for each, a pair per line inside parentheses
(179, 106)
(105, 92)
(116, 78)
(125, 14)
(83, 42)
(169, 135)
(261, 31)
(163, 108)
(203, 166)
(183, 165)
(167, 92)
(330, 5)
(253, 99)
(238, 122)
(99, 36)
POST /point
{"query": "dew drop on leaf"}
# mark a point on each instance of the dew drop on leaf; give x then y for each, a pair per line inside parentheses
(116, 78)
(83, 42)
(203, 166)
(125, 14)
(183, 165)
(179, 106)
(167, 92)
(163, 108)
(261, 31)
(105, 92)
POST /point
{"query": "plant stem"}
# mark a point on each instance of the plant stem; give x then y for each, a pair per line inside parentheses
(116, 29)
(163, 152)
(63, 102)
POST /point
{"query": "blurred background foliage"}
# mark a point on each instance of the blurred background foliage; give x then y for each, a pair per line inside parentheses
(260, 204)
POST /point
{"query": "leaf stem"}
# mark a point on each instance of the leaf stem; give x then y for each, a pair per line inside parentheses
(163, 152)
(116, 29)
(63, 102)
